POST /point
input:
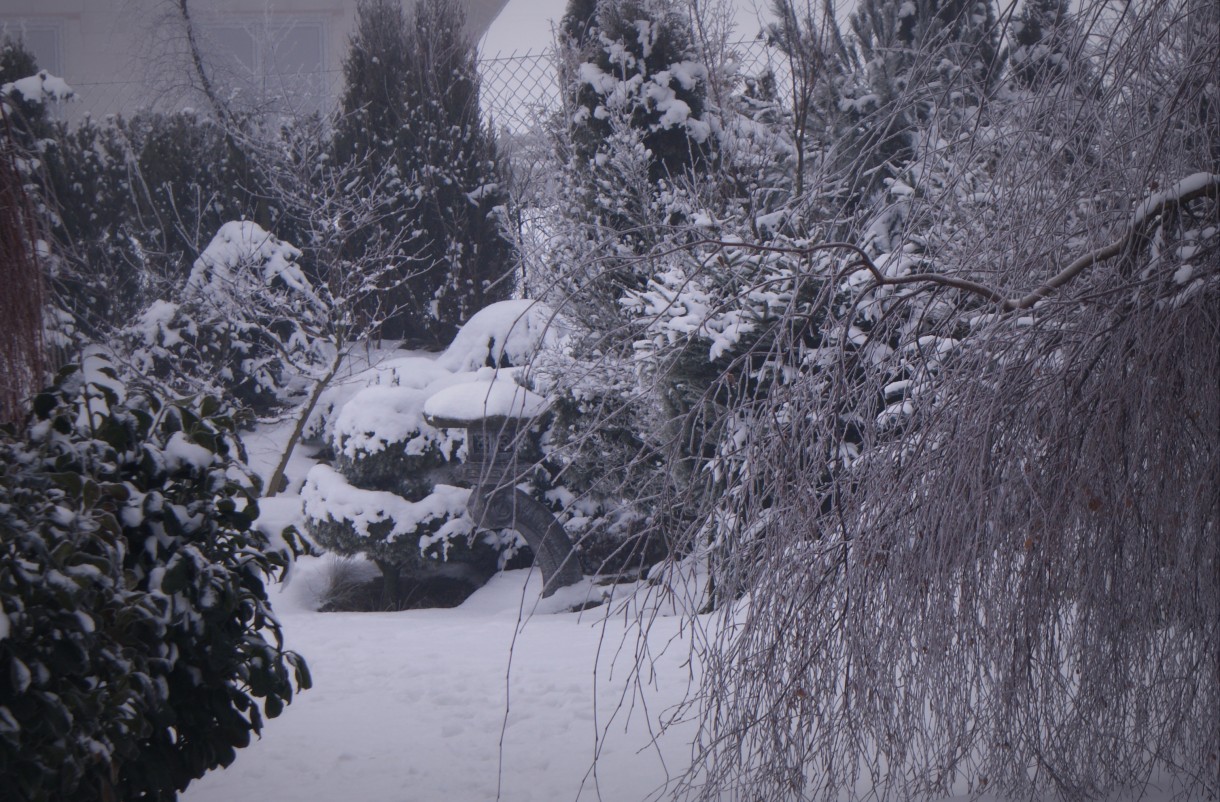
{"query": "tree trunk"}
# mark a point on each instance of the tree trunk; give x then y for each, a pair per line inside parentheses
(390, 584)
(276, 482)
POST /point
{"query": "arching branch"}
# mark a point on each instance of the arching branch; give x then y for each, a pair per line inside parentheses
(1196, 186)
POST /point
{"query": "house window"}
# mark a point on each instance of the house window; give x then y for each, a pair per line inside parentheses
(297, 50)
(41, 39)
(295, 67)
(276, 61)
(232, 49)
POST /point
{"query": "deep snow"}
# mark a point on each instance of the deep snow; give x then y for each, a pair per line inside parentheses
(507, 697)
(444, 705)
(447, 706)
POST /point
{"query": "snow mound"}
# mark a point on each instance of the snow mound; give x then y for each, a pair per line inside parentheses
(328, 495)
(240, 257)
(501, 335)
(377, 417)
(416, 372)
(38, 88)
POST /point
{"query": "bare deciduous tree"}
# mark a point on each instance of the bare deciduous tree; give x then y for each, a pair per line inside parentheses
(954, 475)
(21, 298)
(979, 530)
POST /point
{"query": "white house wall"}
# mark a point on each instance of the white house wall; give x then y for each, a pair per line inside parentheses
(121, 55)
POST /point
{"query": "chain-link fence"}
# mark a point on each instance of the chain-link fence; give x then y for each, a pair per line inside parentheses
(519, 91)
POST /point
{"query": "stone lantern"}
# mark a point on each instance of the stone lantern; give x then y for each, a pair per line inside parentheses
(496, 415)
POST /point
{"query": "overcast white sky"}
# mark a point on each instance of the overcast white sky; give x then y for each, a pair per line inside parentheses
(525, 25)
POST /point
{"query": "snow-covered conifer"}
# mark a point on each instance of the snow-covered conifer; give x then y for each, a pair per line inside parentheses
(916, 59)
(410, 121)
(1046, 44)
(634, 67)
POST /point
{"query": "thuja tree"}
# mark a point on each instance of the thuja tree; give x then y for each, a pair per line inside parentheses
(634, 65)
(634, 128)
(137, 646)
(410, 113)
(634, 138)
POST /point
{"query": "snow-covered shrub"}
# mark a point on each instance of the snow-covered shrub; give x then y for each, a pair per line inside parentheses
(412, 542)
(134, 200)
(247, 322)
(24, 94)
(381, 441)
(137, 647)
(388, 494)
(601, 473)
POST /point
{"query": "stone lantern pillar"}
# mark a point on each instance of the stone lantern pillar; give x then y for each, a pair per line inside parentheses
(496, 416)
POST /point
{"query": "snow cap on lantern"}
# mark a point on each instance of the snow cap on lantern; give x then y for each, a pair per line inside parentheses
(493, 411)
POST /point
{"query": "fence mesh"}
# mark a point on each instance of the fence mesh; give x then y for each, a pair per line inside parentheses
(519, 90)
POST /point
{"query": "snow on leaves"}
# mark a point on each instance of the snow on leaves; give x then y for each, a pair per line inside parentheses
(139, 649)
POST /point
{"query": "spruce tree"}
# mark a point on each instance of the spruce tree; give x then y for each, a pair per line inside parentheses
(955, 41)
(635, 135)
(1045, 45)
(916, 59)
(411, 123)
(636, 67)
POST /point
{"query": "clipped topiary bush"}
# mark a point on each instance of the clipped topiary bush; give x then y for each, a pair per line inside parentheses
(246, 323)
(387, 497)
(389, 494)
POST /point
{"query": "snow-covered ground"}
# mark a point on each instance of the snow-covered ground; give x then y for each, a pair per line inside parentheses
(506, 697)
(501, 698)
(483, 701)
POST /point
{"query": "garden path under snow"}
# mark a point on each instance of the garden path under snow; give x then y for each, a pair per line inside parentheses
(415, 705)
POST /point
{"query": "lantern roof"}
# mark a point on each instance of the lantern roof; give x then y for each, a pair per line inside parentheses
(498, 398)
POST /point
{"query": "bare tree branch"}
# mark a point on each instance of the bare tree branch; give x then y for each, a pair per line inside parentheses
(1199, 185)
